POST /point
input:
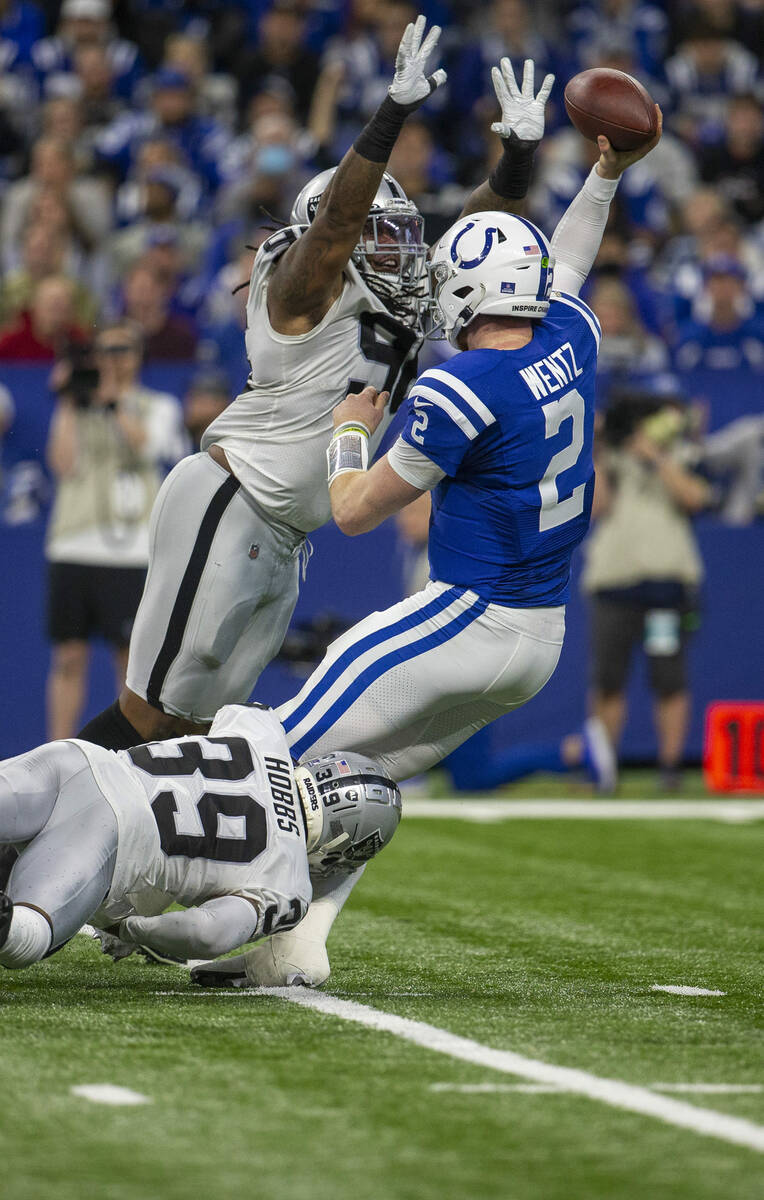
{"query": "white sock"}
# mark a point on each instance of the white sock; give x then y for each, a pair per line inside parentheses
(29, 939)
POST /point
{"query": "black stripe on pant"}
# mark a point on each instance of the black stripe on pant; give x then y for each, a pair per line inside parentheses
(184, 600)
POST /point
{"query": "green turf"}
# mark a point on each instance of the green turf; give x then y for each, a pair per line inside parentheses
(542, 937)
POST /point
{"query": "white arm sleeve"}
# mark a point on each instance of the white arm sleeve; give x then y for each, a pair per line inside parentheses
(577, 238)
(213, 928)
(413, 466)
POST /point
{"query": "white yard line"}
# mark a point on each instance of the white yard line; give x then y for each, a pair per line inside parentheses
(474, 809)
(699, 1089)
(684, 989)
(706, 1122)
(468, 808)
(109, 1093)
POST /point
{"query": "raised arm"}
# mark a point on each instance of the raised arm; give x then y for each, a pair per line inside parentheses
(521, 128)
(308, 278)
(577, 238)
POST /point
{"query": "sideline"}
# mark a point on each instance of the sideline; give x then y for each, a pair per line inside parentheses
(466, 808)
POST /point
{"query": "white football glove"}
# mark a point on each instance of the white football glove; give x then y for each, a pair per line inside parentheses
(521, 112)
(284, 960)
(411, 85)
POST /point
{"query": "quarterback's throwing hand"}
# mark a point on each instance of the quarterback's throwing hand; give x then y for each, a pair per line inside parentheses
(411, 85)
(366, 407)
(522, 113)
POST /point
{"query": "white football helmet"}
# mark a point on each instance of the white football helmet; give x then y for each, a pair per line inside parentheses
(391, 252)
(351, 810)
(489, 262)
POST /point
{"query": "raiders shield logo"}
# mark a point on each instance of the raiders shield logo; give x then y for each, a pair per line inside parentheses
(254, 550)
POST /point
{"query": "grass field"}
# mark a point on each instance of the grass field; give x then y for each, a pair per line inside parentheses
(539, 937)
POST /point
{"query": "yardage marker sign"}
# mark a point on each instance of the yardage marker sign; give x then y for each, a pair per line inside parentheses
(704, 1121)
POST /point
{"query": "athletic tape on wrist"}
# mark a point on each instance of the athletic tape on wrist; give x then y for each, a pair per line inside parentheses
(348, 450)
(511, 176)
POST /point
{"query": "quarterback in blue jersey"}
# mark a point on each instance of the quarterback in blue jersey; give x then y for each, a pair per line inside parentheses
(501, 434)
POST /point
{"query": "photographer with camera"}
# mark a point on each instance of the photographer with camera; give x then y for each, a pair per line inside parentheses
(643, 568)
(110, 441)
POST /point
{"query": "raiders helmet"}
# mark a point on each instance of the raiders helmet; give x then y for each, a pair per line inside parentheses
(351, 810)
(390, 255)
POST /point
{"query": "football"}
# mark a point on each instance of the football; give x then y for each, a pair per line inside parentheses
(606, 101)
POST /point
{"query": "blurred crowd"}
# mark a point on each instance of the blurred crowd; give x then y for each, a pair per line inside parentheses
(147, 146)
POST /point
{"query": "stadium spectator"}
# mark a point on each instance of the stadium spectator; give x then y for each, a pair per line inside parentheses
(626, 345)
(43, 331)
(45, 252)
(53, 170)
(81, 23)
(21, 25)
(216, 92)
(171, 115)
(207, 395)
(167, 336)
(704, 74)
(641, 27)
(158, 220)
(270, 170)
(94, 75)
(726, 332)
(110, 438)
(734, 162)
(225, 317)
(643, 568)
(279, 51)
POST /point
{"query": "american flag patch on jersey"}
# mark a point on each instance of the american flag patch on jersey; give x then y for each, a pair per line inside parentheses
(508, 289)
(342, 767)
(531, 250)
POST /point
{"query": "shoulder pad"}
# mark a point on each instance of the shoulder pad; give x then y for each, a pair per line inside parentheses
(274, 246)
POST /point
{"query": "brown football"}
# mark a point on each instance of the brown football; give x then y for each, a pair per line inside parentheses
(611, 102)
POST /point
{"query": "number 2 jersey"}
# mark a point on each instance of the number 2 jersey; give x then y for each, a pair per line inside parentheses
(276, 432)
(512, 432)
(201, 817)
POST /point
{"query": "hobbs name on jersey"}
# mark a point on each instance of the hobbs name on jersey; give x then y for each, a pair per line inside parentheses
(551, 373)
(280, 780)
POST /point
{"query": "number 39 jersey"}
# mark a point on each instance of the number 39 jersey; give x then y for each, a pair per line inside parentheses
(200, 817)
(276, 432)
(512, 430)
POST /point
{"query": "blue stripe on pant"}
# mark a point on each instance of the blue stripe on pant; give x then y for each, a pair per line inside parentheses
(376, 669)
(353, 653)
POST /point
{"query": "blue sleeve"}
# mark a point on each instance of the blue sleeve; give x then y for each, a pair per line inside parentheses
(444, 417)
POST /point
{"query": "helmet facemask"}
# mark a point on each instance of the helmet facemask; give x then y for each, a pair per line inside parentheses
(351, 811)
(390, 257)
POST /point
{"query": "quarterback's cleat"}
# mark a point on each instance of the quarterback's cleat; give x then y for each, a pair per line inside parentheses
(599, 760)
(6, 916)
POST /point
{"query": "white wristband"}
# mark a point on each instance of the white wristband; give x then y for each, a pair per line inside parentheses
(348, 450)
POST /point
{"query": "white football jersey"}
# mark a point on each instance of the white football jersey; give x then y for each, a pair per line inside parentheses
(275, 434)
(200, 817)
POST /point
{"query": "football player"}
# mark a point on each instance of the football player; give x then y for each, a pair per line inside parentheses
(501, 435)
(334, 304)
(221, 824)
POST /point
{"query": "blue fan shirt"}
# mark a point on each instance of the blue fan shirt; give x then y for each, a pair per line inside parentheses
(512, 430)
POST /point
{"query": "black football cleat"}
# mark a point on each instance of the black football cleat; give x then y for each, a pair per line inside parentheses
(6, 915)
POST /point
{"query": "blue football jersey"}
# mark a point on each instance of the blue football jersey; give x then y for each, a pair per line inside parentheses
(512, 429)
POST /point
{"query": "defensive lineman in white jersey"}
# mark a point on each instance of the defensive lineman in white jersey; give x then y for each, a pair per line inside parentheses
(502, 435)
(222, 824)
(334, 303)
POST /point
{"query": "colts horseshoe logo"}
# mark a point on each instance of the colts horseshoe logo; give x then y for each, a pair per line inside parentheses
(467, 263)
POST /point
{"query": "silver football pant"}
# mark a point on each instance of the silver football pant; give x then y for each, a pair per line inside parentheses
(221, 588)
(408, 685)
(51, 805)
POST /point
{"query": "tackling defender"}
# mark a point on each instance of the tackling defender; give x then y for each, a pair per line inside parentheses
(502, 436)
(334, 304)
(221, 823)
